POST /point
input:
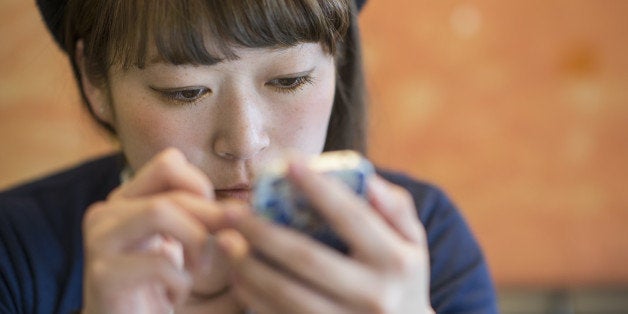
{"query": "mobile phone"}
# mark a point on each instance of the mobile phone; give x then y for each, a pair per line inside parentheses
(278, 200)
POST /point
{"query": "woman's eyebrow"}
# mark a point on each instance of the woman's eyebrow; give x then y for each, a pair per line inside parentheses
(159, 59)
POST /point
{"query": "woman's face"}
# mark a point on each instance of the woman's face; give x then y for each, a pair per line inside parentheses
(228, 118)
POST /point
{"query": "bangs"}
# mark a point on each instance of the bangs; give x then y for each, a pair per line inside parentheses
(134, 33)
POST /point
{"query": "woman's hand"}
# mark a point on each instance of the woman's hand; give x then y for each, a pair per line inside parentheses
(387, 270)
(146, 246)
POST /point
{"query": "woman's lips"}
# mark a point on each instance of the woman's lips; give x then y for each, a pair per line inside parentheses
(241, 194)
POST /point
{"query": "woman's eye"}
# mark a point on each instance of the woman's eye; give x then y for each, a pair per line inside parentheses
(186, 95)
(290, 84)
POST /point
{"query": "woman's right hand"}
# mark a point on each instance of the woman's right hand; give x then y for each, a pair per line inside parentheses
(143, 243)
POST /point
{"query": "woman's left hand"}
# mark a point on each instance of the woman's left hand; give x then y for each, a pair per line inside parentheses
(387, 270)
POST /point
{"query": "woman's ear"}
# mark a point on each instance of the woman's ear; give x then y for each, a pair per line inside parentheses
(97, 95)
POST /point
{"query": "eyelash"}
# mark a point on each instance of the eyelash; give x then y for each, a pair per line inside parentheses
(299, 82)
(177, 95)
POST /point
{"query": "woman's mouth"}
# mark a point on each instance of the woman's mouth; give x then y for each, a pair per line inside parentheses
(241, 192)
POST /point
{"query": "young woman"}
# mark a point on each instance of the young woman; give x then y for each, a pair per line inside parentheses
(200, 94)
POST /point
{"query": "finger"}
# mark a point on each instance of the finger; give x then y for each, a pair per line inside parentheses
(168, 170)
(268, 290)
(307, 259)
(367, 235)
(149, 271)
(233, 244)
(130, 222)
(397, 207)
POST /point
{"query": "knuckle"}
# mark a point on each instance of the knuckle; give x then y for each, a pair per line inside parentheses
(402, 263)
(385, 299)
(157, 211)
(116, 193)
(90, 238)
(178, 197)
(91, 212)
(98, 271)
(93, 215)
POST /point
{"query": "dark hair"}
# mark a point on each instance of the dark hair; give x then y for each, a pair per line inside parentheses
(120, 32)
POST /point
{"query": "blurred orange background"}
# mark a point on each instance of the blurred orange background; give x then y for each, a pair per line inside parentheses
(518, 109)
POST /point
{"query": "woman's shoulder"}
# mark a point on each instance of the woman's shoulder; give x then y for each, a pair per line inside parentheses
(96, 170)
(92, 173)
(40, 235)
(64, 193)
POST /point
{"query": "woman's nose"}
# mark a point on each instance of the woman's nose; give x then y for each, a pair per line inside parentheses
(242, 132)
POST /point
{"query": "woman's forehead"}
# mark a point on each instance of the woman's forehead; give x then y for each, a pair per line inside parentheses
(238, 52)
(288, 54)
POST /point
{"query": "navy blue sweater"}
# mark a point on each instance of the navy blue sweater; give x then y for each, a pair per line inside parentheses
(41, 250)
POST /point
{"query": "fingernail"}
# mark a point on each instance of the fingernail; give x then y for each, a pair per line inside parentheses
(228, 241)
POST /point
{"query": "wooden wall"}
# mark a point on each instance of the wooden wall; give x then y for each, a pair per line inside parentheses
(519, 109)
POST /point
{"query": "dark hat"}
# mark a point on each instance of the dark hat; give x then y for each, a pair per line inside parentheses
(52, 12)
(360, 4)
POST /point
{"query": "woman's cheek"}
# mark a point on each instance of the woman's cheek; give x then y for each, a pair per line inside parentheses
(306, 127)
(145, 130)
